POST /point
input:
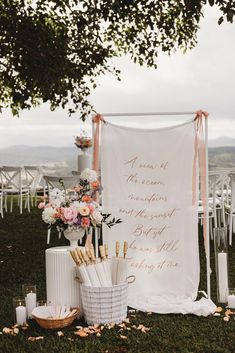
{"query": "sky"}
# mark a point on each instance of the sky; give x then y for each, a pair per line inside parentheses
(203, 78)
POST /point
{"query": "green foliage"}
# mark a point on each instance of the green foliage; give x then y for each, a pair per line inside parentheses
(54, 51)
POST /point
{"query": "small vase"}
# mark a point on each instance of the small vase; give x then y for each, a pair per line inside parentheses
(73, 235)
(84, 161)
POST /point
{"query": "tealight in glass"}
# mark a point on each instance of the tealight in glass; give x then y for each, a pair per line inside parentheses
(29, 292)
(19, 311)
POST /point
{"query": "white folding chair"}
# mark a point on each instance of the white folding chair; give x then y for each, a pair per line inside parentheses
(230, 206)
(11, 179)
(1, 195)
(55, 182)
(1, 204)
(75, 172)
(35, 182)
(59, 182)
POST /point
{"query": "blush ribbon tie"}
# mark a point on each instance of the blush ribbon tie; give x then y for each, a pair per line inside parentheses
(200, 153)
(96, 121)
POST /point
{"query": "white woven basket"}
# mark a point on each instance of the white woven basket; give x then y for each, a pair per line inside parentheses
(103, 305)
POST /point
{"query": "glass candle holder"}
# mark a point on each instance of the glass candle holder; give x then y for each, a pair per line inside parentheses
(29, 292)
(231, 298)
(43, 302)
(221, 263)
(19, 311)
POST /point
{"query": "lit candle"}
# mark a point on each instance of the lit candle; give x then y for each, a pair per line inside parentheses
(21, 315)
(231, 301)
(31, 303)
(223, 276)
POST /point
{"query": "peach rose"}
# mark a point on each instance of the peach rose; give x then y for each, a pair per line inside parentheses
(86, 198)
(85, 222)
(84, 211)
(95, 184)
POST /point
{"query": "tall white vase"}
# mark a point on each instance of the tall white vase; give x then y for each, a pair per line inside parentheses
(84, 161)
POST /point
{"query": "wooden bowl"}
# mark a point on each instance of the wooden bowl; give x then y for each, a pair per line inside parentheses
(55, 323)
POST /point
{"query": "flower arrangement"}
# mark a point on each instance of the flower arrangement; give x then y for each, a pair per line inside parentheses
(83, 141)
(77, 207)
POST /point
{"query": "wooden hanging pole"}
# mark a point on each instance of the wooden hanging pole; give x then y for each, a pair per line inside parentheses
(148, 114)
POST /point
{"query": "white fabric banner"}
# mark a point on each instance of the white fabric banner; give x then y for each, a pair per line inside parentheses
(147, 181)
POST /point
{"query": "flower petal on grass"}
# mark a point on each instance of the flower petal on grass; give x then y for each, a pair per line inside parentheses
(123, 337)
(60, 333)
(218, 309)
(81, 333)
(32, 339)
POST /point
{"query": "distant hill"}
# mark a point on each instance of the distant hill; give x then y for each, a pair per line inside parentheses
(222, 157)
(222, 141)
(54, 159)
(61, 160)
(18, 155)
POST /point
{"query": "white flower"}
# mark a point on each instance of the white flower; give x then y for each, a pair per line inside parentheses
(89, 174)
(96, 218)
(77, 205)
(48, 215)
(57, 197)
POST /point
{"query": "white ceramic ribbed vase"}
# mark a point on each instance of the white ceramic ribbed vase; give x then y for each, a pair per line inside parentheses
(84, 161)
(73, 235)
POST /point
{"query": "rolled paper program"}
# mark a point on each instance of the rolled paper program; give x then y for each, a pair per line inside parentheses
(125, 248)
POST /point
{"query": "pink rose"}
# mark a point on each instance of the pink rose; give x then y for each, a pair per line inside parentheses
(41, 205)
(69, 214)
(91, 208)
(85, 222)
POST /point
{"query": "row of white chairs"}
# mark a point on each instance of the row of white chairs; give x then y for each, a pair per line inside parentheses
(28, 182)
(23, 182)
(221, 202)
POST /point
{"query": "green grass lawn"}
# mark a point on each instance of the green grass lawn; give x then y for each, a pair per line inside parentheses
(22, 247)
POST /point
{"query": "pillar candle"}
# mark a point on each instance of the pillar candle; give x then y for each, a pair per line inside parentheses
(31, 303)
(231, 301)
(223, 276)
(21, 315)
